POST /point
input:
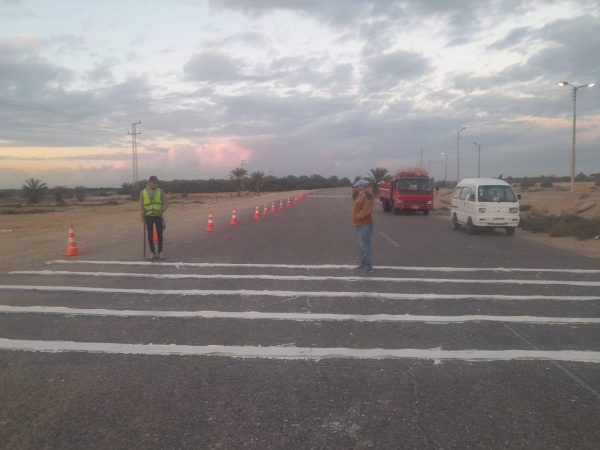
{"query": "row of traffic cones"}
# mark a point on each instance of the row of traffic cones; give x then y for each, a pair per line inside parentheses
(210, 227)
(72, 249)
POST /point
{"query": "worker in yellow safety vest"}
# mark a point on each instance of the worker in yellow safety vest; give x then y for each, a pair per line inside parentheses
(153, 203)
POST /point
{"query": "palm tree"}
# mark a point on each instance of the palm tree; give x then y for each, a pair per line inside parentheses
(377, 174)
(238, 174)
(257, 178)
(33, 190)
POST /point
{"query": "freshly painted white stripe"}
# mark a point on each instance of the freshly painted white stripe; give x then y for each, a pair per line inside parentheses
(178, 276)
(318, 266)
(298, 353)
(389, 239)
(292, 294)
(313, 317)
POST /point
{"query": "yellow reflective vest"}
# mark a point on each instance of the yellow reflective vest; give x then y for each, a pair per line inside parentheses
(153, 206)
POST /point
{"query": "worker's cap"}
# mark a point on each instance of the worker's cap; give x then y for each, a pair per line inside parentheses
(153, 179)
(361, 183)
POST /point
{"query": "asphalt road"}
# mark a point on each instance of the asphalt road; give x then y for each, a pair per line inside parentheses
(262, 336)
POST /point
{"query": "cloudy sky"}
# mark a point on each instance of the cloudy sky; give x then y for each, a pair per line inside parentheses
(294, 87)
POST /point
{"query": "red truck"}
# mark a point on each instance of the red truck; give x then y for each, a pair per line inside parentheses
(408, 190)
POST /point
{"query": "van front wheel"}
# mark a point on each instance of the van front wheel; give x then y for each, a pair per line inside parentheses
(455, 225)
(471, 229)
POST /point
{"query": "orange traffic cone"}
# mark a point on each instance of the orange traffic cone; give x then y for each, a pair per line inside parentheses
(289, 203)
(210, 227)
(71, 244)
(234, 221)
(273, 210)
(265, 210)
(256, 214)
(155, 236)
(280, 205)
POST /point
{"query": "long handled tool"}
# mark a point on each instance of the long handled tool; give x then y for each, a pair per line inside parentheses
(144, 240)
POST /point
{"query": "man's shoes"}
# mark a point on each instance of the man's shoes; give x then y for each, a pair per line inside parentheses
(161, 255)
(369, 271)
(152, 256)
(357, 268)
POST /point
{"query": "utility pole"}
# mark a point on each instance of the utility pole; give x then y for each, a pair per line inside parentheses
(421, 163)
(458, 153)
(478, 159)
(136, 180)
(575, 89)
(444, 154)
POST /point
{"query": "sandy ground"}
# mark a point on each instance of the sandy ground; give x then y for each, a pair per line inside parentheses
(115, 231)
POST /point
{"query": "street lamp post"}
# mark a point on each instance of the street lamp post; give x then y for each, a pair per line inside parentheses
(445, 168)
(478, 159)
(575, 89)
(458, 153)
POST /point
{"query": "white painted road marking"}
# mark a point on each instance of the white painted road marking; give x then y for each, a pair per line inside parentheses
(315, 317)
(321, 266)
(316, 294)
(304, 278)
(295, 353)
(389, 239)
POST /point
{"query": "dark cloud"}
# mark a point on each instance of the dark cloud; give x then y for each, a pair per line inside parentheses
(213, 66)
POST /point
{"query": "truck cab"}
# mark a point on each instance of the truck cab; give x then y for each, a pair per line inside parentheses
(409, 190)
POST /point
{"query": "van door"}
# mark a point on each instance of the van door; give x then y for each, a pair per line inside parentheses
(461, 213)
(471, 205)
(455, 201)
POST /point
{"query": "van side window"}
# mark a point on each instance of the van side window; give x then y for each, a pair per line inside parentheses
(456, 192)
(464, 193)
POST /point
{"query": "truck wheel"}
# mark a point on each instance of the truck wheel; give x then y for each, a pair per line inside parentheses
(509, 231)
(385, 204)
(471, 229)
(455, 225)
(426, 212)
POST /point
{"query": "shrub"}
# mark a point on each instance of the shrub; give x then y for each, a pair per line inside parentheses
(563, 225)
(59, 193)
(546, 184)
(80, 193)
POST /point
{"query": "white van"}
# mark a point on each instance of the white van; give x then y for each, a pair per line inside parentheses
(485, 203)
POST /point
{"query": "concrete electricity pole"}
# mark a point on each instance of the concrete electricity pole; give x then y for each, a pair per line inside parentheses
(575, 89)
(458, 153)
(136, 180)
(478, 159)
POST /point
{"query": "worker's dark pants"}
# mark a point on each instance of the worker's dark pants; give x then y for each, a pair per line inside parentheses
(151, 222)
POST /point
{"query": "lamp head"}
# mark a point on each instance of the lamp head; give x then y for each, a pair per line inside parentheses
(563, 83)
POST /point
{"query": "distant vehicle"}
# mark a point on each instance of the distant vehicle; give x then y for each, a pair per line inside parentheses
(485, 203)
(408, 190)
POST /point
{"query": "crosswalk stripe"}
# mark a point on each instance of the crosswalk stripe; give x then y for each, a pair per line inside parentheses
(292, 294)
(305, 278)
(298, 353)
(257, 315)
(323, 266)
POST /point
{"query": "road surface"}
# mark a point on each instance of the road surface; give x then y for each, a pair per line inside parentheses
(262, 336)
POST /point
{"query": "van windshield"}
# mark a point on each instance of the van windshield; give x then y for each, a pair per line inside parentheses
(496, 194)
(414, 185)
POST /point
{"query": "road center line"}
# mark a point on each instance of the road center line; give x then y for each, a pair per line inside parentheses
(303, 278)
(288, 294)
(298, 353)
(319, 266)
(389, 239)
(314, 317)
